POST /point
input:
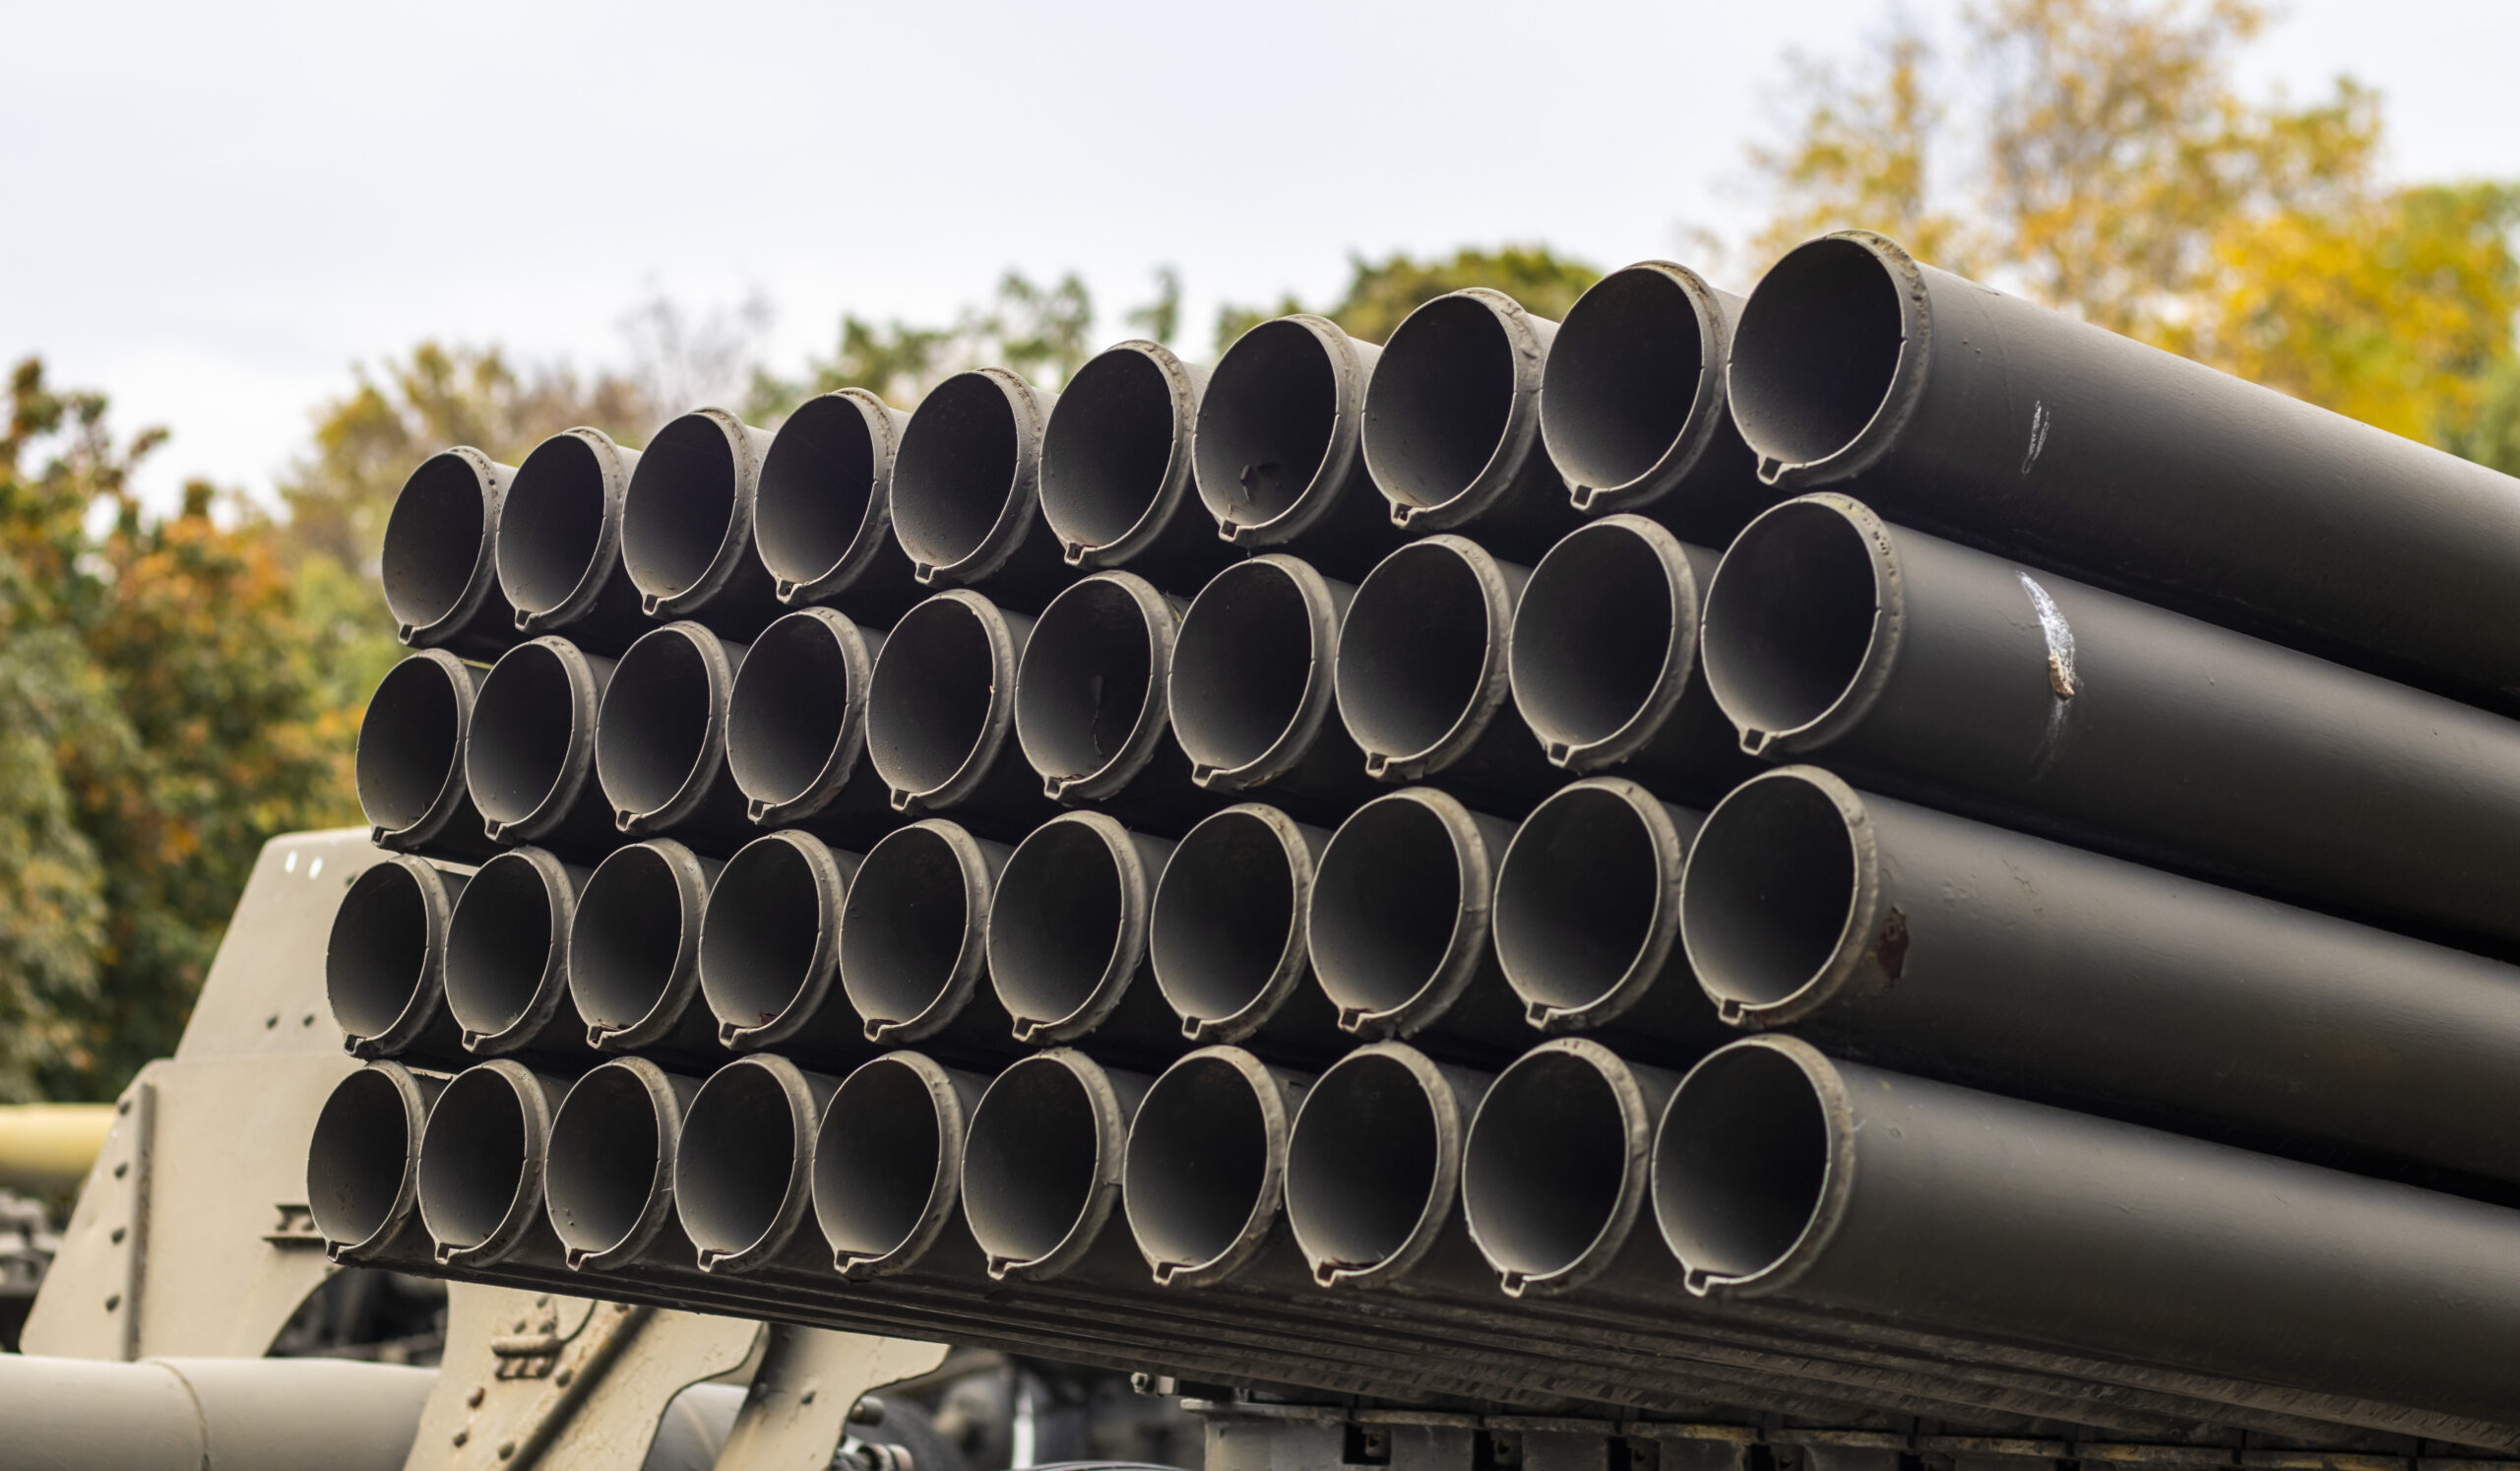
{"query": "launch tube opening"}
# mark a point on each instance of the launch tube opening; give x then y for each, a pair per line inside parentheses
(1088, 682)
(1363, 1165)
(680, 506)
(813, 510)
(1578, 897)
(1791, 618)
(1415, 652)
(910, 931)
(411, 743)
(360, 1157)
(474, 1162)
(523, 721)
(626, 945)
(789, 711)
(1622, 378)
(499, 945)
(1251, 654)
(606, 1160)
(1057, 920)
(1109, 448)
(1772, 886)
(1816, 351)
(1226, 925)
(1545, 1167)
(551, 535)
(929, 703)
(653, 731)
(432, 546)
(1387, 910)
(1197, 1181)
(736, 1165)
(1593, 635)
(1266, 423)
(1740, 1162)
(1442, 400)
(956, 471)
(378, 955)
(1033, 1160)
(884, 1173)
(763, 939)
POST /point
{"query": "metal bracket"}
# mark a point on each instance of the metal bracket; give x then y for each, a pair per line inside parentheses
(810, 1381)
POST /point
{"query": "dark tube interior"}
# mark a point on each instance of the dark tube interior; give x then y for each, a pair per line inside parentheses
(1592, 635)
(653, 735)
(1265, 422)
(473, 1158)
(1241, 666)
(1412, 651)
(790, 709)
(433, 540)
(955, 471)
(626, 938)
(523, 720)
(1621, 377)
(606, 1149)
(355, 1162)
(1771, 884)
(1030, 1164)
(379, 951)
(737, 1160)
(411, 743)
(817, 484)
(1054, 923)
(1575, 898)
(879, 1160)
(498, 945)
(1384, 903)
(906, 920)
(757, 945)
(1107, 447)
(1088, 680)
(1815, 352)
(1198, 1162)
(1361, 1166)
(552, 524)
(1440, 401)
(680, 506)
(1789, 618)
(1223, 911)
(1543, 1166)
(927, 701)
(1740, 1162)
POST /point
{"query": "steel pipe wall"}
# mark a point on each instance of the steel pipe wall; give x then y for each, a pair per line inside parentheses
(660, 740)
(385, 962)
(1090, 711)
(823, 512)
(1228, 934)
(913, 942)
(967, 499)
(770, 951)
(1252, 688)
(686, 526)
(634, 953)
(797, 730)
(440, 585)
(507, 957)
(559, 542)
(528, 759)
(940, 715)
(409, 769)
(1116, 486)
(1277, 449)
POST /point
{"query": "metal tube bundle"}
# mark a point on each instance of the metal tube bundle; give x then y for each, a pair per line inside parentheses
(686, 526)
(559, 542)
(823, 512)
(1116, 486)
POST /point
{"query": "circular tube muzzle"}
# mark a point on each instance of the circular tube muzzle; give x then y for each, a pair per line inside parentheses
(1227, 935)
(743, 1177)
(967, 503)
(1452, 423)
(660, 740)
(634, 953)
(1783, 911)
(440, 579)
(1275, 450)
(1802, 624)
(913, 942)
(770, 950)
(1251, 693)
(482, 1157)
(528, 759)
(1557, 1167)
(1041, 1168)
(686, 524)
(1587, 921)
(560, 544)
(409, 769)
(385, 962)
(888, 1164)
(1373, 1170)
(823, 514)
(362, 1164)
(607, 1182)
(1116, 469)
(797, 728)
(1397, 927)
(1751, 1165)
(507, 958)
(1203, 1182)
(1067, 937)
(1632, 404)
(940, 714)
(1091, 713)
(1423, 672)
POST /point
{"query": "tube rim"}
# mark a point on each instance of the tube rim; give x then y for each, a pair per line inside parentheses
(614, 467)
(1007, 534)
(1522, 433)
(1444, 1108)
(831, 901)
(945, 1192)
(525, 1208)
(1872, 676)
(996, 727)
(1663, 936)
(691, 889)
(1899, 399)
(669, 1102)
(1155, 716)
(1837, 1184)
(1472, 917)
(1171, 493)
(1636, 1126)
(1110, 1145)
(1351, 368)
(1855, 950)
(874, 527)
(1277, 1124)
(493, 480)
(745, 446)
(577, 764)
(1706, 411)
(1495, 687)
(857, 667)
(416, 1096)
(454, 793)
(1679, 647)
(969, 961)
(804, 1116)
(1324, 611)
(560, 897)
(1294, 959)
(720, 672)
(427, 1000)
(1129, 944)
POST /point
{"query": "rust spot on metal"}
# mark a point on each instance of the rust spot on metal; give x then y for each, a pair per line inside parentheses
(1890, 948)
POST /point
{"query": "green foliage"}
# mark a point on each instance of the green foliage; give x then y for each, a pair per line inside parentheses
(1381, 294)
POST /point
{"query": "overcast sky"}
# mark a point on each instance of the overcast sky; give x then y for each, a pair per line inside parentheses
(213, 211)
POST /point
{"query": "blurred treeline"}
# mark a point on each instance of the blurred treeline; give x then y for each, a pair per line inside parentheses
(174, 690)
